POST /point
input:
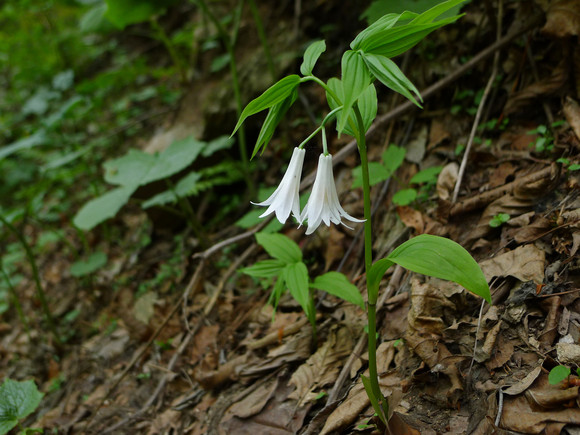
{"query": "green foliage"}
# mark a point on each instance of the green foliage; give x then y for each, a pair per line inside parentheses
(499, 219)
(290, 272)
(86, 267)
(558, 374)
(124, 12)
(137, 168)
(392, 159)
(311, 55)
(433, 256)
(367, 104)
(17, 400)
(545, 139)
(379, 8)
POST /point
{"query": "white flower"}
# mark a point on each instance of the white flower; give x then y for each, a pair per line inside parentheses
(286, 197)
(323, 204)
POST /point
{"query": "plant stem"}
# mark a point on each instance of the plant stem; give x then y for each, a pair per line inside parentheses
(162, 35)
(39, 289)
(263, 39)
(237, 93)
(372, 307)
(15, 300)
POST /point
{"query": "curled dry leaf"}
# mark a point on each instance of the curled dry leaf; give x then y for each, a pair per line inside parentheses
(446, 180)
(525, 263)
(563, 19)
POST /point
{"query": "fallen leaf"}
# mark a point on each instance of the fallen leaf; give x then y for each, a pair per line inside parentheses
(571, 111)
(145, 307)
(563, 19)
(322, 367)
(446, 180)
(525, 263)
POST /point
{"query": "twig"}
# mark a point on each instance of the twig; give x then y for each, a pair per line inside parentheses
(476, 332)
(480, 107)
(499, 408)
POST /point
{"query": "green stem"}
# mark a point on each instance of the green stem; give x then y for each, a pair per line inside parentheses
(162, 35)
(39, 289)
(263, 39)
(327, 118)
(237, 93)
(372, 308)
(15, 300)
(324, 85)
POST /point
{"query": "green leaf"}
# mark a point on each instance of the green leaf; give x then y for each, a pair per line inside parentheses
(265, 269)
(391, 42)
(124, 12)
(383, 23)
(338, 285)
(558, 374)
(275, 115)
(393, 158)
(218, 144)
(574, 167)
(379, 7)
(92, 264)
(103, 207)
(374, 400)
(355, 79)
(439, 10)
(428, 175)
(273, 95)
(184, 188)
(311, 55)
(17, 400)
(281, 247)
(404, 197)
(377, 174)
(296, 277)
(367, 104)
(277, 292)
(374, 276)
(139, 168)
(444, 259)
(389, 74)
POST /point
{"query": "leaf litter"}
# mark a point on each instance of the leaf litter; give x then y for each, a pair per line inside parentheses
(444, 367)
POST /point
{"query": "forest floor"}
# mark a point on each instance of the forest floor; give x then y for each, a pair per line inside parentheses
(198, 352)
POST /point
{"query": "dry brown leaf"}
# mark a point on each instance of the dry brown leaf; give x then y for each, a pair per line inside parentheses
(520, 415)
(322, 367)
(357, 401)
(563, 19)
(446, 180)
(525, 263)
(525, 383)
(437, 133)
(571, 111)
(334, 247)
(276, 416)
(204, 342)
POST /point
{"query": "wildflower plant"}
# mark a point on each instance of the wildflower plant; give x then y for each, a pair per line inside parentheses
(352, 100)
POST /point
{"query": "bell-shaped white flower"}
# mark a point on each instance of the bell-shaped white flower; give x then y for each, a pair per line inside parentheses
(286, 198)
(323, 204)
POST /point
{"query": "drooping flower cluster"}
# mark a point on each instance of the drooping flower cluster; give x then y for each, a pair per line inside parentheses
(323, 204)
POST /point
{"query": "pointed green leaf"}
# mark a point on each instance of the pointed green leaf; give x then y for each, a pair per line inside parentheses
(311, 55)
(92, 264)
(355, 79)
(280, 247)
(367, 104)
(277, 292)
(264, 269)
(275, 115)
(391, 76)
(438, 10)
(374, 400)
(374, 276)
(442, 258)
(273, 95)
(103, 207)
(383, 23)
(404, 197)
(178, 156)
(338, 285)
(296, 277)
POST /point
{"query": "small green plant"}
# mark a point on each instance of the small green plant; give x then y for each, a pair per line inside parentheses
(290, 272)
(498, 220)
(137, 168)
(545, 139)
(17, 401)
(427, 179)
(353, 103)
(560, 373)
